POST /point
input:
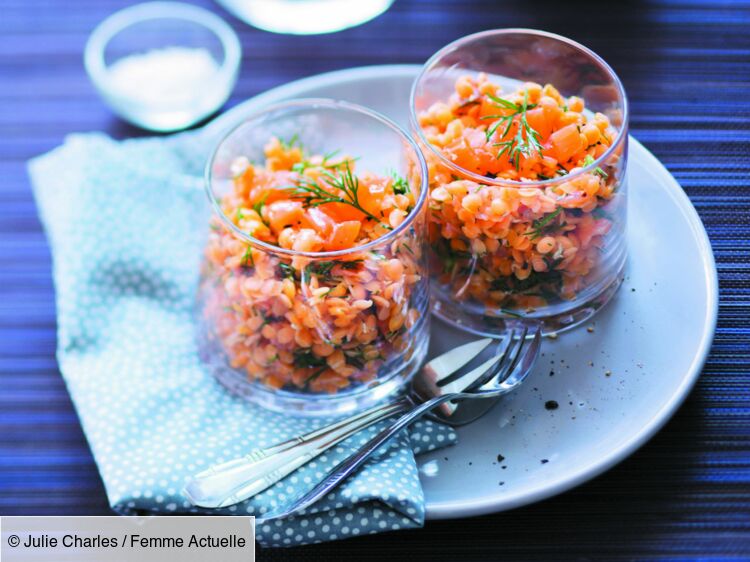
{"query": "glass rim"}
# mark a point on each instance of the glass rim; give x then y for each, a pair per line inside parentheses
(112, 25)
(622, 133)
(313, 103)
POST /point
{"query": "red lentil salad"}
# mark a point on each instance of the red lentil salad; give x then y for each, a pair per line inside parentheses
(511, 246)
(298, 322)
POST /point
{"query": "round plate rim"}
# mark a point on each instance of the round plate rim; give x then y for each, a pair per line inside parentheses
(491, 504)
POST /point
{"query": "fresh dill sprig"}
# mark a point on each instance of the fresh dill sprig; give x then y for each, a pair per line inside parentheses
(314, 194)
(328, 165)
(544, 224)
(258, 207)
(590, 160)
(525, 141)
(292, 142)
(325, 163)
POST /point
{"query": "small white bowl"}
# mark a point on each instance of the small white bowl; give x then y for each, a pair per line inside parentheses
(159, 25)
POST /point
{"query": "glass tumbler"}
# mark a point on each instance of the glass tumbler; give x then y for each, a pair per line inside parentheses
(314, 332)
(522, 244)
(306, 17)
(160, 99)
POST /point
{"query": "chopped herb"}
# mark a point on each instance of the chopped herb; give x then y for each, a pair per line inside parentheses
(355, 358)
(287, 270)
(316, 374)
(306, 359)
(247, 258)
(321, 268)
(536, 283)
(590, 160)
(450, 257)
(258, 207)
(266, 319)
(544, 224)
(350, 265)
(324, 269)
(553, 262)
(400, 185)
(390, 336)
(408, 248)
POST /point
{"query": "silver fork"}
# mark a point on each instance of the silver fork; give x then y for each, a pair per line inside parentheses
(234, 481)
(500, 382)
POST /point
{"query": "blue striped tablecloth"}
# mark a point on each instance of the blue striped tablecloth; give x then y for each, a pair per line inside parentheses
(686, 66)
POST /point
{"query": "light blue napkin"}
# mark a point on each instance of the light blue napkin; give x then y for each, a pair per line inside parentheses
(126, 222)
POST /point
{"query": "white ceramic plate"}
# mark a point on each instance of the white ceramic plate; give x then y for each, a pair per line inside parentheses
(615, 386)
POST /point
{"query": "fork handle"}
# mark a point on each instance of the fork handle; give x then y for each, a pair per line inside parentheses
(234, 481)
(352, 463)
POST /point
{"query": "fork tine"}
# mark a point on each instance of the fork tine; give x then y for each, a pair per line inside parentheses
(518, 352)
(448, 363)
(529, 357)
(502, 365)
(467, 380)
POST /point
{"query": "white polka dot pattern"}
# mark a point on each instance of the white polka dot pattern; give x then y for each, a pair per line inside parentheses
(126, 222)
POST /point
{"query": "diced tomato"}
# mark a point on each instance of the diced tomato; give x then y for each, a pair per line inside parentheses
(320, 221)
(282, 214)
(465, 156)
(342, 212)
(565, 142)
(344, 235)
(537, 119)
(370, 196)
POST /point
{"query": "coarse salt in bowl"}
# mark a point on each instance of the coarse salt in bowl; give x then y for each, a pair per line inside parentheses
(163, 66)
